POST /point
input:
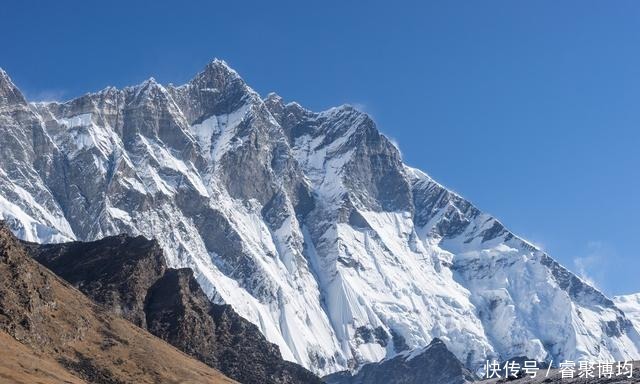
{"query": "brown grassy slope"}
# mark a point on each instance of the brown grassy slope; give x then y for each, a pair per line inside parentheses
(20, 364)
(51, 318)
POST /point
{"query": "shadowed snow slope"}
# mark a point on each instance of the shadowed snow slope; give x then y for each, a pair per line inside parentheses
(307, 223)
(630, 305)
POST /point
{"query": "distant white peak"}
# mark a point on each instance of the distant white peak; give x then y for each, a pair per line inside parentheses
(146, 87)
(273, 97)
(633, 298)
(296, 105)
(344, 109)
(222, 64)
(108, 89)
(149, 83)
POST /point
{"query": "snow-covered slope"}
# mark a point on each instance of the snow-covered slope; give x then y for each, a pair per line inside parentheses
(630, 305)
(308, 223)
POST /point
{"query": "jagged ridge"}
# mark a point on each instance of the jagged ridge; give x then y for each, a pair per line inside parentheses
(307, 223)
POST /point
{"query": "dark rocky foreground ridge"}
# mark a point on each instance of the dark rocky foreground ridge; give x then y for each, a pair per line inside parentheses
(51, 333)
(435, 364)
(129, 277)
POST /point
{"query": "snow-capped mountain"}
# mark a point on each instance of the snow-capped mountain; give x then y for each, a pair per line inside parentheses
(307, 223)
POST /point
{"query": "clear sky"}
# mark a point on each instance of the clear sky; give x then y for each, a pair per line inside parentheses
(527, 108)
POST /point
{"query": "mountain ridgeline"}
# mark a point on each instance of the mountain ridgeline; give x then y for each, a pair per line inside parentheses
(308, 224)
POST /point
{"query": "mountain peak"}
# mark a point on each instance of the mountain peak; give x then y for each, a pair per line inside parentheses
(273, 97)
(148, 89)
(216, 90)
(9, 93)
(215, 72)
(219, 63)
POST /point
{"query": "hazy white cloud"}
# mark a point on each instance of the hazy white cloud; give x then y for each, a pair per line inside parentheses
(48, 95)
(591, 266)
(583, 265)
(394, 142)
(363, 107)
(538, 244)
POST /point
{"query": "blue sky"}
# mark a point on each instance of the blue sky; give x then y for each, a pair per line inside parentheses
(527, 108)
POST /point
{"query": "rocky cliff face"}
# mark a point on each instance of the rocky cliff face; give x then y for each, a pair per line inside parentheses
(65, 337)
(307, 223)
(115, 272)
(129, 277)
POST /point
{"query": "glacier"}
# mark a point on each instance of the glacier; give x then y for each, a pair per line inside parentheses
(308, 223)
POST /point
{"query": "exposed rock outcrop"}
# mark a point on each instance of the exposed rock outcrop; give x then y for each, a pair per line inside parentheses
(128, 276)
(434, 364)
